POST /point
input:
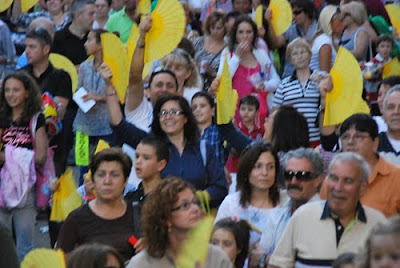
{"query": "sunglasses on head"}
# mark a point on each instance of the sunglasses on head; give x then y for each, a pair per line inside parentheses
(300, 175)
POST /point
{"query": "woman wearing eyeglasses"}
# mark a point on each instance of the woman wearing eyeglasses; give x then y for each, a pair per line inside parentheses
(169, 213)
(257, 187)
(173, 121)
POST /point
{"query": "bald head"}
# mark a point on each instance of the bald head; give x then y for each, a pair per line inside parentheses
(45, 23)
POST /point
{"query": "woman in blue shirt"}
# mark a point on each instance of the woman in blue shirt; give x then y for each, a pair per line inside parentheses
(173, 121)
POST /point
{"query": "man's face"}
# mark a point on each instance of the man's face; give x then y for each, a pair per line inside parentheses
(35, 51)
(359, 142)
(131, 4)
(392, 112)
(344, 187)
(117, 4)
(86, 17)
(163, 83)
(299, 16)
(301, 189)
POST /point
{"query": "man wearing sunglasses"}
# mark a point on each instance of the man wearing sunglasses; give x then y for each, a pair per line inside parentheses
(318, 232)
(303, 169)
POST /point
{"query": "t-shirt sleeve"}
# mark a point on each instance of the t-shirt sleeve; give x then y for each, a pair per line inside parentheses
(64, 88)
(68, 238)
(40, 122)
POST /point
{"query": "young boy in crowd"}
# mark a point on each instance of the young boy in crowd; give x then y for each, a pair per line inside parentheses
(248, 111)
(374, 68)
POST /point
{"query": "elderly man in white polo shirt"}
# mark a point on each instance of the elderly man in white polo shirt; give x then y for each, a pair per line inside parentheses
(320, 231)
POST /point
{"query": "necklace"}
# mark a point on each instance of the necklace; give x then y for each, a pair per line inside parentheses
(256, 217)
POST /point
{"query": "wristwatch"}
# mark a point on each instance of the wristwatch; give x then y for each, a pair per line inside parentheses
(261, 261)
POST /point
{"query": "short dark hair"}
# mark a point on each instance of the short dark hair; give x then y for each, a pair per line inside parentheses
(383, 38)
(307, 6)
(164, 71)
(241, 232)
(205, 95)
(92, 255)
(160, 146)
(232, 38)
(109, 155)
(40, 34)
(190, 129)
(250, 100)
(247, 160)
(361, 122)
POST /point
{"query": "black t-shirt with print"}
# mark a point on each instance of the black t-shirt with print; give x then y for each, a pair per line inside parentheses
(17, 134)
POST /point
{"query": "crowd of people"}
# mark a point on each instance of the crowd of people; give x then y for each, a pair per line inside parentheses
(286, 190)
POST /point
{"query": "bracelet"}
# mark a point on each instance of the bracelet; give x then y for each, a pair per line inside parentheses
(111, 94)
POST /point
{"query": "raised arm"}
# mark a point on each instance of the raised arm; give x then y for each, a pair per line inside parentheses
(275, 41)
(16, 10)
(126, 132)
(135, 93)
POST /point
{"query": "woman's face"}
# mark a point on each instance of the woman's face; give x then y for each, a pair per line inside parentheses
(15, 93)
(101, 8)
(202, 110)
(262, 176)
(226, 240)
(217, 30)
(181, 72)
(300, 57)
(385, 251)
(91, 45)
(109, 181)
(172, 124)
(337, 25)
(185, 213)
(55, 6)
(244, 33)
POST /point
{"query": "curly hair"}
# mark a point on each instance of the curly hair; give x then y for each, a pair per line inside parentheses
(232, 38)
(190, 129)
(156, 212)
(247, 161)
(241, 231)
(33, 102)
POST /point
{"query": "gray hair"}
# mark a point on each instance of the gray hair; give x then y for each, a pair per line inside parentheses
(391, 90)
(309, 154)
(78, 6)
(352, 157)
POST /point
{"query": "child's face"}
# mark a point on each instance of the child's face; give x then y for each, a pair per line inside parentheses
(385, 49)
(226, 241)
(247, 113)
(385, 251)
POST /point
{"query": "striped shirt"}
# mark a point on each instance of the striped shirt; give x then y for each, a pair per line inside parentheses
(304, 99)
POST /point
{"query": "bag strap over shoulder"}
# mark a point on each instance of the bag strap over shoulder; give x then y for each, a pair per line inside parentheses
(32, 127)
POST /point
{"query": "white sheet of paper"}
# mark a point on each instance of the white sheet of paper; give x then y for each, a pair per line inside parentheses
(84, 105)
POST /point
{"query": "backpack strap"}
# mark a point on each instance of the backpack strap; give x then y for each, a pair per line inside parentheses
(203, 151)
(32, 127)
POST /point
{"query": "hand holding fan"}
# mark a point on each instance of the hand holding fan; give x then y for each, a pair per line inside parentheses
(281, 15)
(116, 57)
(168, 25)
(345, 98)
